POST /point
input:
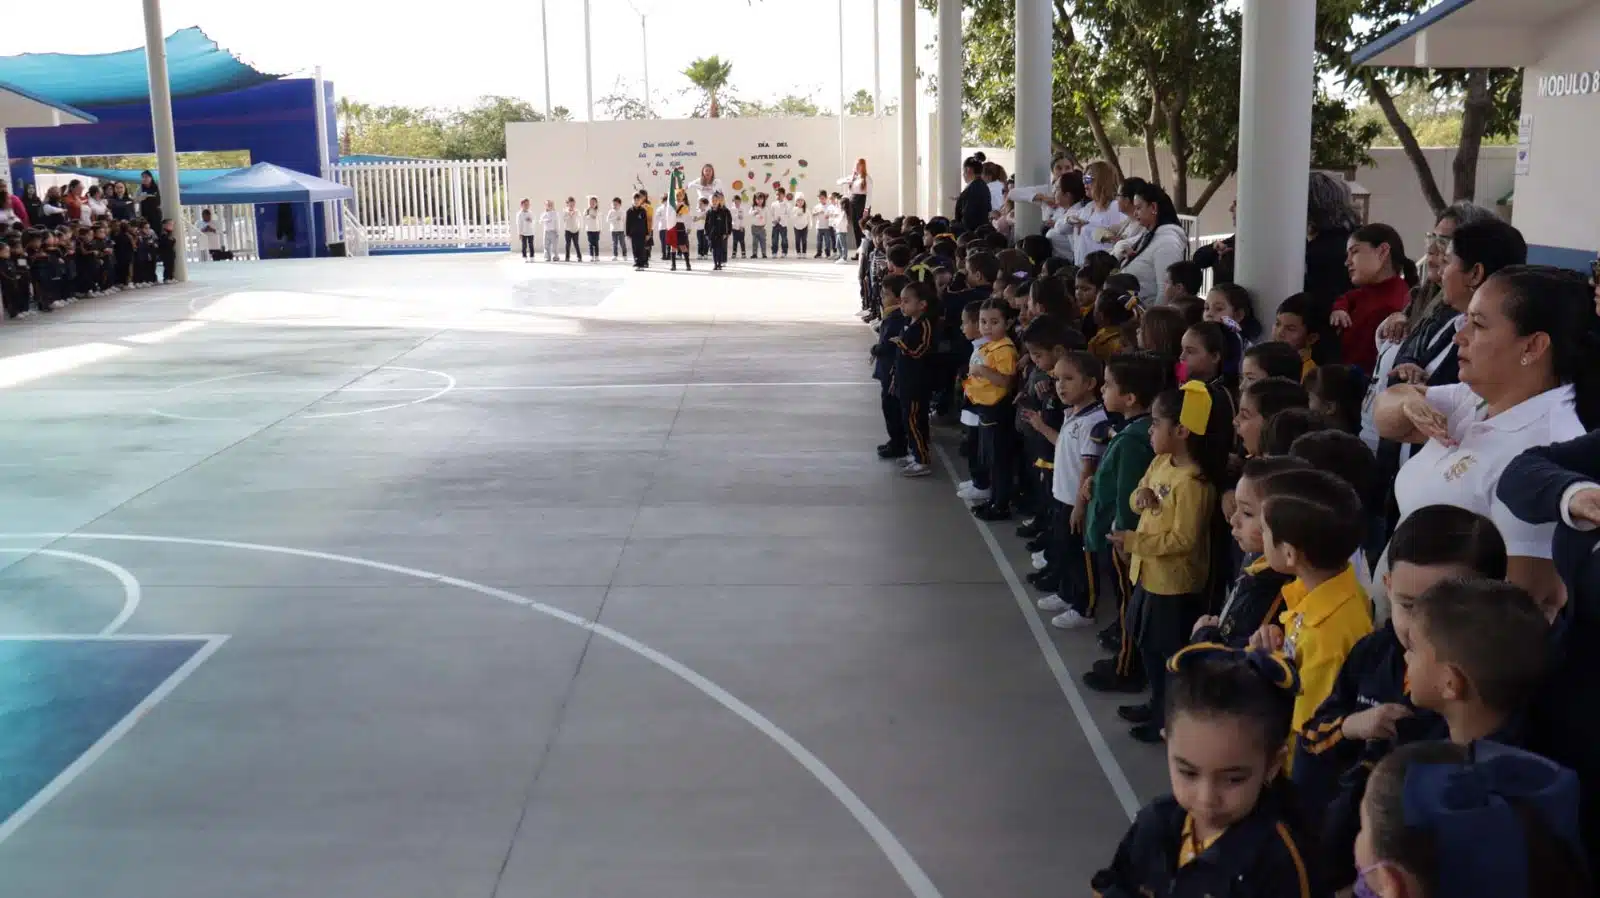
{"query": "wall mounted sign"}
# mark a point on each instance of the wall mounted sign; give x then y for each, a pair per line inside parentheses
(1569, 84)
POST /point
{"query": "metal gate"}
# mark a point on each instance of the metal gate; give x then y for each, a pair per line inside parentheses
(429, 203)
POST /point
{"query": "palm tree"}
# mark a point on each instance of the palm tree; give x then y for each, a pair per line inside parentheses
(710, 75)
(351, 113)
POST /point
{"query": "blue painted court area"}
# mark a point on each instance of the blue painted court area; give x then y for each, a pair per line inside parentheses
(58, 697)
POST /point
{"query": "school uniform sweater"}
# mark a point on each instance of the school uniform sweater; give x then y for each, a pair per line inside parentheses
(1128, 455)
(884, 351)
(1562, 724)
(1255, 599)
(1171, 554)
(1262, 856)
(914, 349)
(719, 223)
(1000, 355)
(1320, 627)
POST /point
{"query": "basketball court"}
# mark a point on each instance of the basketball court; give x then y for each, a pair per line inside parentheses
(460, 576)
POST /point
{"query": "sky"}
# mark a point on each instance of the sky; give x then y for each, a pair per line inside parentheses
(448, 54)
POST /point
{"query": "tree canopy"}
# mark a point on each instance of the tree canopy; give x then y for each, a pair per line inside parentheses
(477, 132)
(709, 75)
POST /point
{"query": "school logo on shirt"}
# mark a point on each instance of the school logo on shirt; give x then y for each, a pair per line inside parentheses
(1459, 467)
(1292, 641)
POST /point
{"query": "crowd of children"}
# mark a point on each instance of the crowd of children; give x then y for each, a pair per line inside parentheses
(1198, 478)
(715, 227)
(45, 268)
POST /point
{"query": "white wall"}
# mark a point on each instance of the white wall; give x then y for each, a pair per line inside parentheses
(1556, 199)
(555, 160)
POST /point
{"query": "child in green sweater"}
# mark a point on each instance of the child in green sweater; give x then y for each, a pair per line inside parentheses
(1132, 380)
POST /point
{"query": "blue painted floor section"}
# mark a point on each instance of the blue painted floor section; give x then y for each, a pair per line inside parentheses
(58, 697)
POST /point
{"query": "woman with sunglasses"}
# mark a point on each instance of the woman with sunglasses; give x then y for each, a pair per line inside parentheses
(1105, 219)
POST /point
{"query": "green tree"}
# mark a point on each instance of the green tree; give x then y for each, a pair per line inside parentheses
(709, 75)
(860, 104)
(351, 114)
(1489, 98)
(479, 132)
(623, 105)
(788, 106)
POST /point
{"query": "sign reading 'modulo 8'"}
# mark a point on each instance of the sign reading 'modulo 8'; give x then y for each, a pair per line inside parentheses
(1569, 84)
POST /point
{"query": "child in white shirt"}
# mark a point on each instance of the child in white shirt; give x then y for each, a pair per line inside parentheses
(591, 226)
(665, 218)
(616, 223)
(841, 226)
(737, 211)
(780, 223)
(525, 229)
(822, 225)
(698, 220)
(758, 226)
(549, 224)
(572, 226)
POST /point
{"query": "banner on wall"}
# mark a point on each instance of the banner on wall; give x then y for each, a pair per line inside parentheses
(762, 167)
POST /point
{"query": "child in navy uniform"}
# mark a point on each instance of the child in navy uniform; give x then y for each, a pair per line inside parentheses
(912, 384)
(1370, 710)
(883, 358)
(1257, 593)
(1229, 828)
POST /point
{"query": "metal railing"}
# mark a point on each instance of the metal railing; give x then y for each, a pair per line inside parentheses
(237, 225)
(355, 233)
(428, 203)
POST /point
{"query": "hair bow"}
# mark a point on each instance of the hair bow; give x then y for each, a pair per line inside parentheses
(1230, 324)
(1021, 274)
(921, 272)
(1195, 413)
(1468, 808)
(1130, 301)
(1273, 668)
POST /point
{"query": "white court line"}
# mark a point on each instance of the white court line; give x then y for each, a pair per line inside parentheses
(450, 384)
(433, 393)
(74, 770)
(1052, 658)
(131, 592)
(899, 857)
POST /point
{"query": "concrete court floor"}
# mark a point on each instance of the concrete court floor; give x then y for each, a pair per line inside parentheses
(809, 677)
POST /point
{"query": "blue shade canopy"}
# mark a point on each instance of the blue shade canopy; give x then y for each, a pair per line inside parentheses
(264, 183)
(195, 66)
(187, 177)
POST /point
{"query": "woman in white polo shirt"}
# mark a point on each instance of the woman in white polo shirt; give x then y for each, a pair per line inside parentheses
(1526, 355)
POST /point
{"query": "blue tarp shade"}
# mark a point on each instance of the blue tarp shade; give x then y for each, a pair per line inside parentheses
(264, 183)
(195, 66)
(187, 177)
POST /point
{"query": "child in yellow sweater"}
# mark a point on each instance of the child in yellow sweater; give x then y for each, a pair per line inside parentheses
(1311, 525)
(1170, 550)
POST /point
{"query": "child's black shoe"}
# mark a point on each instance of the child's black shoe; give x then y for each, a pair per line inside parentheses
(1031, 529)
(1038, 543)
(989, 511)
(1148, 733)
(891, 450)
(1101, 681)
(1141, 713)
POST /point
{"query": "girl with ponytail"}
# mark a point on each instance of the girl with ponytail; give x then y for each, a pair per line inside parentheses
(1230, 827)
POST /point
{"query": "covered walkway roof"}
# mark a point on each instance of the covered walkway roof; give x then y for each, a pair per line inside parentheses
(1471, 34)
(186, 177)
(196, 66)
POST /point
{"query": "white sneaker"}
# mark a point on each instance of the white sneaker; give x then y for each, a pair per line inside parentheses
(1071, 620)
(963, 486)
(973, 494)
(1039, 561)
(1052, 603)
(916, 470)
(908, 460)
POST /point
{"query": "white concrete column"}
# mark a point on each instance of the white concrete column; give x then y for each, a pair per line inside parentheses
(1276, 83)
(5, 164)
(908, 107)
(155, 52)
(588, 64)
(877, 60)
(1033, 107)
(950, 88)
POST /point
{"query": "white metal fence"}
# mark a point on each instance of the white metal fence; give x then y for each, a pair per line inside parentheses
(237, 225)
(428, 203)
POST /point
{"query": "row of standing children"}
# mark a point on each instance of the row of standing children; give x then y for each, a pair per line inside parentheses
(775, 217)
(1221, 488)
(44, 269)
